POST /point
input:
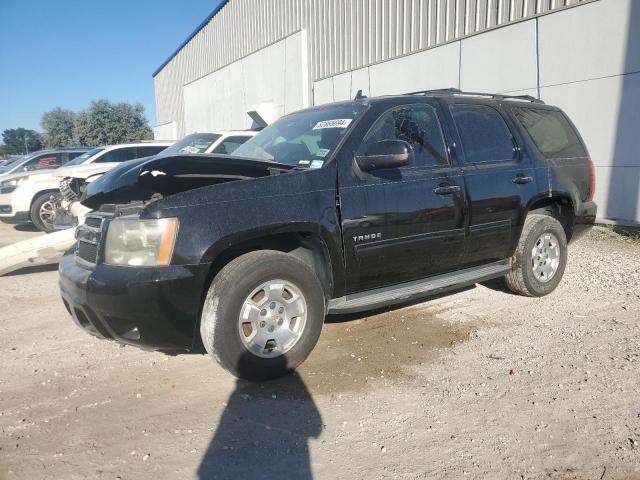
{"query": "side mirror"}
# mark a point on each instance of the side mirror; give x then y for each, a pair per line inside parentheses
(385, 154)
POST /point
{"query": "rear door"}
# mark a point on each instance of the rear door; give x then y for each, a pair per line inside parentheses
(499, 179)
(401, 224)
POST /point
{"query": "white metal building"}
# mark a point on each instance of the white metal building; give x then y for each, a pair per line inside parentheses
(277, 56)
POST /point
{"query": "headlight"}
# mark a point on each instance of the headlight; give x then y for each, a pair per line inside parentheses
(9, 186)
(135, 242)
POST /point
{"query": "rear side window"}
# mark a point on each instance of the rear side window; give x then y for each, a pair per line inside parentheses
(118, 155)
(551, 132)
(484, 135)
(149, 151)
(415, 124)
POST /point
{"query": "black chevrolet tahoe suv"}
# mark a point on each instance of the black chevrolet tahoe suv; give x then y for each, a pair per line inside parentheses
(338, 208)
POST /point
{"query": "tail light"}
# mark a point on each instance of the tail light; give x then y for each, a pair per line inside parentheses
(592, 181)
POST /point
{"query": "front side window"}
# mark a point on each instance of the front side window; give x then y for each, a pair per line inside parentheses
(230, 144)
(551, 132)
(484, 135)
(417, 125)
(43, 162)
(193, 143)
(305, 139)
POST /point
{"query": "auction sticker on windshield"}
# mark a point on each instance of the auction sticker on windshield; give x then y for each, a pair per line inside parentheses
(191, 149)
(336, 123)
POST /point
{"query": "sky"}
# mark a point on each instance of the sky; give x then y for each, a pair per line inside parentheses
(65, 53)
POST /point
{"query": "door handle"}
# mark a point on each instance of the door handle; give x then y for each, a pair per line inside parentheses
(446, 190)
(520, 180)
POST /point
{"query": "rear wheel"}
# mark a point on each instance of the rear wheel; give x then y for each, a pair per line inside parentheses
(263, 315)
(43, 211)
(540, 259)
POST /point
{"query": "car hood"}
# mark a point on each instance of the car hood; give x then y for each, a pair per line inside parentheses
(165, 175)
(85, 170)
(35, 175)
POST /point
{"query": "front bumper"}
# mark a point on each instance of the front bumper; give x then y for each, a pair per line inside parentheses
(585, 219)
(14, 218)
(153, 308)
(15, 206)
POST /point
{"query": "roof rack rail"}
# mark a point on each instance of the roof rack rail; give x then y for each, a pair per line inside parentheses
(457, 91)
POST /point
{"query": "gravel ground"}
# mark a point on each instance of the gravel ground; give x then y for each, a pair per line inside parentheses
(482, 384)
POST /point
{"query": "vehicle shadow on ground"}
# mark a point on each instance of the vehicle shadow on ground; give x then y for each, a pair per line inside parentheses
(25, 227)
(51, 267)
(264, 432)
(499, 285)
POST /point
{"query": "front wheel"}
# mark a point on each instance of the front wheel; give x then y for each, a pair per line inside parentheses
(540, 259)
(263, 315)
(43, 211)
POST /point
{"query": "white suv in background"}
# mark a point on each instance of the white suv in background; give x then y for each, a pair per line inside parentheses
(223, 143)
(75, 179)
(27, 197)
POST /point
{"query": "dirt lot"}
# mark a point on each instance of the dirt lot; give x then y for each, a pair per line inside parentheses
(482, 384)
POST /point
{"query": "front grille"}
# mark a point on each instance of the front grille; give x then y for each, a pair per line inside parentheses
(89, 236)
(87, 251)
(67, 191)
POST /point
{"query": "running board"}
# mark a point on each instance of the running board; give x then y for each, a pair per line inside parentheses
(381, 297)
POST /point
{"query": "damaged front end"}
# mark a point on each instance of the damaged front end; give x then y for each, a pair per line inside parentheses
(162, 176)
(108, 281)
(118, 198)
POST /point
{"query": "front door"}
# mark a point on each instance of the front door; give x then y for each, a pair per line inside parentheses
(401, 224)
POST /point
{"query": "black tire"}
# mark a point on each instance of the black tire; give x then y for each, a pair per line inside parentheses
(521, 278)
(37, 204)
(219, 327)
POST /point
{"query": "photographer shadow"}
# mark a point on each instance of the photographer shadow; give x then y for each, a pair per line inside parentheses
(264, 432)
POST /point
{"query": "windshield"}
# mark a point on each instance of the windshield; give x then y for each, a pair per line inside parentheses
(194, 143)
(303, 139)
(12, 163)
(80, 159)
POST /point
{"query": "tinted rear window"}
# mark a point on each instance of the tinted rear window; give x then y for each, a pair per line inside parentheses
(484, 134)
(551, 132)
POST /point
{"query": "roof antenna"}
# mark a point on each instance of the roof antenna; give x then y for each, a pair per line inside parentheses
(359, 95)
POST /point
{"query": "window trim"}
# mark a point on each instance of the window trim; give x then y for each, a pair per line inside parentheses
(517, 149)
(440, 120)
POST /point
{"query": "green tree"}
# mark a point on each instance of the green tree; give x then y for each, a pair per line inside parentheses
(57, 127)
(106, 123)
(21, 140)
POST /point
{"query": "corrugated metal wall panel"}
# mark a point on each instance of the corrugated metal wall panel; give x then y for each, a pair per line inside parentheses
(343, 35)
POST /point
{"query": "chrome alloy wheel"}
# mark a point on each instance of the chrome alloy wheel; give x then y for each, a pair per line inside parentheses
(272, 318)
(545, 257)
(47, 213)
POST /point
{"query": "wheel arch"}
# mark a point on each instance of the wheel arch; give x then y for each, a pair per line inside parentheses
(559, 206)
(311, 247)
